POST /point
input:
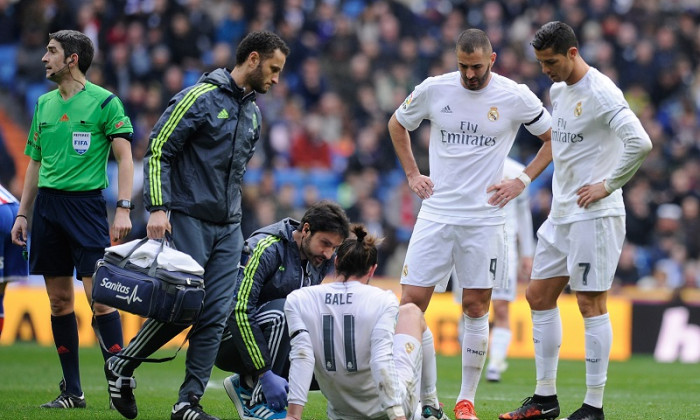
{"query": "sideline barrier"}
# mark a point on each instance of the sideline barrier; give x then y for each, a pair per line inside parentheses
(27, 318)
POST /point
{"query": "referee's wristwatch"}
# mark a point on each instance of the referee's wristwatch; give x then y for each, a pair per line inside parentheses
(125, 204)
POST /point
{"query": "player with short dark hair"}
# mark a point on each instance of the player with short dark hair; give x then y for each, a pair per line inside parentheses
(73, 130)
(474, 118)
(597, 145)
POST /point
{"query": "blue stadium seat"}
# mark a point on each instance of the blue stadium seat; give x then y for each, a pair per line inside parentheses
(294, 176)
(8, 65)
(32, 93)
(253, 176)
(324, 178)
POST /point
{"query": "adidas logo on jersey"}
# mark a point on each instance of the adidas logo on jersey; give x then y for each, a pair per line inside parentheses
(446, 109)
(223, 114)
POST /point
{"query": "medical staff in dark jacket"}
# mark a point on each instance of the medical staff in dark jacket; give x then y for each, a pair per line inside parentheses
(277, 260)
(193, 170)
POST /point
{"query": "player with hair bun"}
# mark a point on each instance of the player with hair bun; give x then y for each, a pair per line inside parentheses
(366, 352)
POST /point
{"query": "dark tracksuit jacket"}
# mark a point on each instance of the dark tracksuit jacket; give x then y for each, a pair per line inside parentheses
(194, 166)
(199, 150)
(273, 270)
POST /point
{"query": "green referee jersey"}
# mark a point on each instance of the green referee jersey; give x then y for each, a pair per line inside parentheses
(70, 137)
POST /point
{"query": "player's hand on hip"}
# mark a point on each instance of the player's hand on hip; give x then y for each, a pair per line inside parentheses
(589, 194)
(19, 231)
(122, 224)
(505, 191)
(275, 389)
(421, 185)
(158, 224)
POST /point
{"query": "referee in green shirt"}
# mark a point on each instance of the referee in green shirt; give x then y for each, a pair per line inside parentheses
(72, 131)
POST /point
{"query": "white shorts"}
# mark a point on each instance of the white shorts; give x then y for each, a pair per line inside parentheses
(408, 361)
(509, 292)
(478, 254)
(586, 251)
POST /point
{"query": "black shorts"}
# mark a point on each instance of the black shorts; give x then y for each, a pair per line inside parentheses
(69, 231)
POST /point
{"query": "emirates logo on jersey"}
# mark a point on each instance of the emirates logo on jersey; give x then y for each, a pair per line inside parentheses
(578, 110)
(493, 113)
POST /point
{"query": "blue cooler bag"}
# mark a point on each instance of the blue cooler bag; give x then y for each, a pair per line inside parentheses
(168, 289)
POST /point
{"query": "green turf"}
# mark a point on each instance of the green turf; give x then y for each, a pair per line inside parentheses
(637, 389)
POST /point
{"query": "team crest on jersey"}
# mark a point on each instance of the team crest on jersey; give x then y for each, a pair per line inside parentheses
(493, 113)
(578, 110)
(405, 270)
(81, 142)
(408, 100)
(410, 347)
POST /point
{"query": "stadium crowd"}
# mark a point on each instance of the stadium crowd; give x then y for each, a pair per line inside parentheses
(352, 63)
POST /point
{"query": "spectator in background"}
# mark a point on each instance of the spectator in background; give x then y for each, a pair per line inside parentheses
(372, 217)
(233, 25)
(626, 273)
(309, 148)
(690, 220)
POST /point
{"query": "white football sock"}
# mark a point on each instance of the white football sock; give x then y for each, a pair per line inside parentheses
(428, 388)
(598, 331)
(475, 344)
(498, 350)
(546, 333)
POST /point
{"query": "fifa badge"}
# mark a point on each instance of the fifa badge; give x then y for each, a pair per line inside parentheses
(578, 110)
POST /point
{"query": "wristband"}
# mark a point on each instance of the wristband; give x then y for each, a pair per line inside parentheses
(525, 178)
(395, 412)
(21, 215)
(607, 188)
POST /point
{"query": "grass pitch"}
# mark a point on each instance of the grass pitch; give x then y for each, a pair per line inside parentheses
(637, 389)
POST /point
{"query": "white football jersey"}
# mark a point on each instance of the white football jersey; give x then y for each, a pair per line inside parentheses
(471, 133)
(351, 330)
(585, 147)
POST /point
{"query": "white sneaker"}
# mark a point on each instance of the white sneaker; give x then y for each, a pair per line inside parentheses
(493, 375)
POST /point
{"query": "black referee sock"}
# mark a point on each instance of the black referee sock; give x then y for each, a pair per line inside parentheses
(109, 327)
(65, 336)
